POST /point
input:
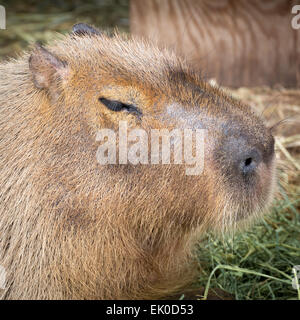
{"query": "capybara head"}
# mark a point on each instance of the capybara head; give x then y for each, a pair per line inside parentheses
(125, 228)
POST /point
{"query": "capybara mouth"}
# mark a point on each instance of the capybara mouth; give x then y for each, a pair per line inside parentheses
(249, 191)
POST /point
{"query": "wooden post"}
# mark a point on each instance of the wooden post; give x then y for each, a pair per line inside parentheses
(237, 42)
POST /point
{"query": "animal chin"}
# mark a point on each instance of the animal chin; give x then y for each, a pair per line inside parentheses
(257, 207)
(262, 193)
(240, 211)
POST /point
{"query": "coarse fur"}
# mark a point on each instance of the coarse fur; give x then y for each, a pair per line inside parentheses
(73, 229)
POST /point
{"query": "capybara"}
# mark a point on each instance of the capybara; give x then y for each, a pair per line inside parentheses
(72, 228)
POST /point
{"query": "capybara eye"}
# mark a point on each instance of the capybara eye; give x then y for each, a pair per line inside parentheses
(120, 106)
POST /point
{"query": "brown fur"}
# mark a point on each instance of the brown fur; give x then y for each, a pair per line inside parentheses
(72, 229)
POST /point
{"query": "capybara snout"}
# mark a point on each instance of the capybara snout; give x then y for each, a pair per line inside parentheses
(89, 207)
(243, 157)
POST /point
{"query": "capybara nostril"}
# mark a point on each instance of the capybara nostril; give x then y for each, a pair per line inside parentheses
(239, 156)
(250, 162)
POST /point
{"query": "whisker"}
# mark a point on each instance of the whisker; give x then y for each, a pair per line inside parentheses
(283, 121)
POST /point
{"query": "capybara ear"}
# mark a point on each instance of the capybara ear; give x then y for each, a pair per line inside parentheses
(82, 29)
(47, 69)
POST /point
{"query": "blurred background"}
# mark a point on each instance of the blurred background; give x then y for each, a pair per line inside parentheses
(257, 264)
(28, 21)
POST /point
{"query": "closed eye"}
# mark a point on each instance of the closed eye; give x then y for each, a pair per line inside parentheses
(117, 106)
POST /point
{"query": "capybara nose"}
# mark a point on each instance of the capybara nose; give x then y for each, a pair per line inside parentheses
(242, 156)
(248, 161)
(247, 153)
